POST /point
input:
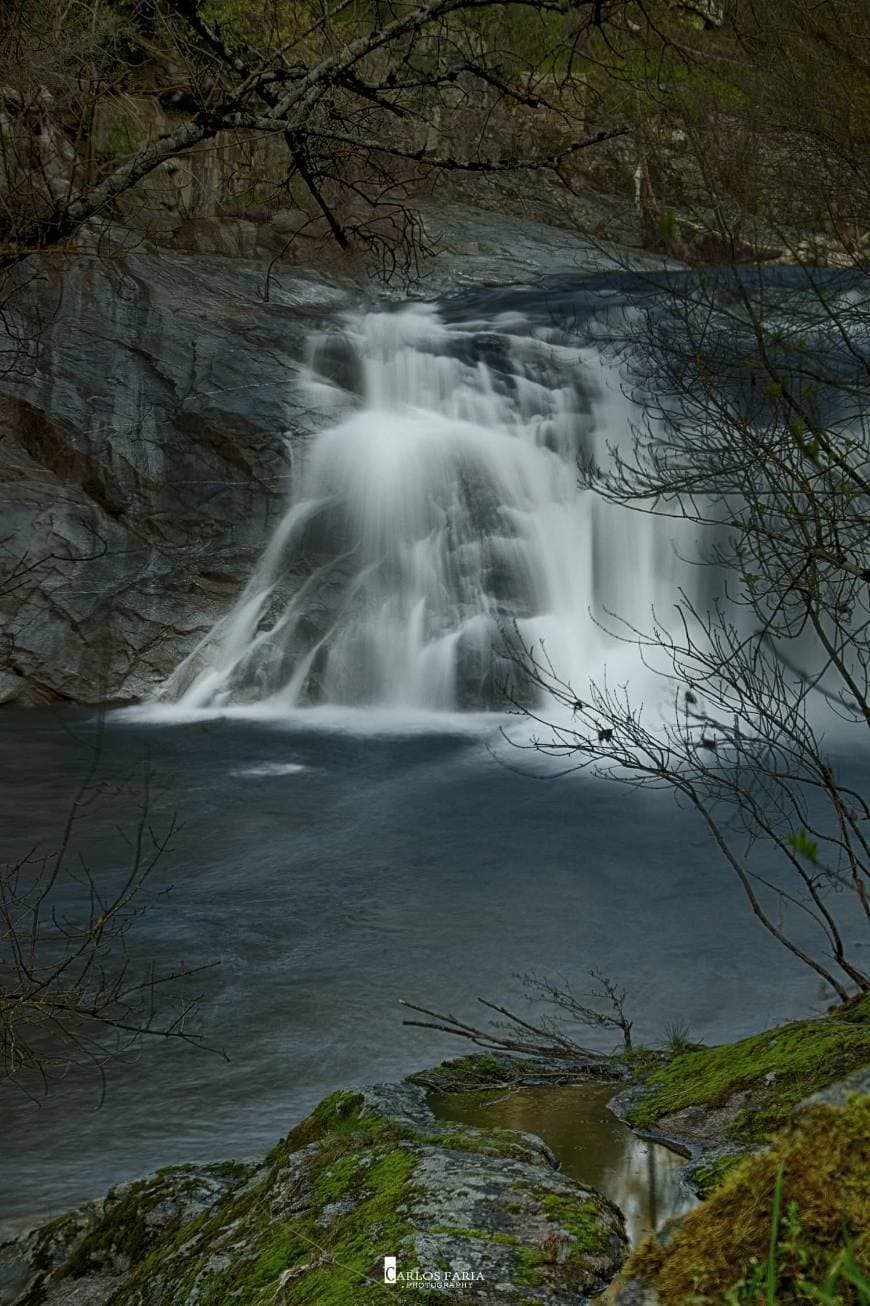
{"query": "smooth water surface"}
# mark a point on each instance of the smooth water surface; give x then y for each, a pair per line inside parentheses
(591, 1144)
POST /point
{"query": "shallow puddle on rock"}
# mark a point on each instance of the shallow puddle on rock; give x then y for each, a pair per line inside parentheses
(593, 1147)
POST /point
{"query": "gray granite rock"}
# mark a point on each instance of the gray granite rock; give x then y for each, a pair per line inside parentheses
(368, 1175)
(143, 454)
(471, 247)
(840, 1093)
(92, 1248)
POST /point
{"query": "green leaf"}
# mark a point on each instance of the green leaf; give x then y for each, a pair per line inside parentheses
(802, 843)
(771, 1268)
(668, 226)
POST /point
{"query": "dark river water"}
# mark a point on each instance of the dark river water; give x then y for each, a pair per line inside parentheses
(332, 871)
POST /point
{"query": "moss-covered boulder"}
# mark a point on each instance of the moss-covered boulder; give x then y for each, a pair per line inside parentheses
(367, 1175)
(789, 1224)
(91, 1249)
(734, 1095)
(489, 1070)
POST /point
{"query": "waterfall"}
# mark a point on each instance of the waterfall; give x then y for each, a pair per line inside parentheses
(438, 507)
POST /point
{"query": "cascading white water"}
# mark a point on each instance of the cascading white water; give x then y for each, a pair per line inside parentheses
(440, 510)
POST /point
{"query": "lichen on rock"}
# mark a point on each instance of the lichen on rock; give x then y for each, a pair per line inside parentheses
(366, 1175)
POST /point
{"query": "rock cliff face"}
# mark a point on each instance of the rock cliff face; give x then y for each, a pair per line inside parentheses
(146, 400)
(143, 451)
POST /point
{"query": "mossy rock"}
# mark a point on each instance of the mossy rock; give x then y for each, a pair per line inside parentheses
(103, 1239)
(712, 1169)
(721, 1252)
(366, 1175)
(488, 1070)
(754, 1084)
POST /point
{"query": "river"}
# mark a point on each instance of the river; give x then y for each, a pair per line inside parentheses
(332, 870)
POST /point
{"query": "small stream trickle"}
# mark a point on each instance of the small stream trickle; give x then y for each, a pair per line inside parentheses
(594, 1147)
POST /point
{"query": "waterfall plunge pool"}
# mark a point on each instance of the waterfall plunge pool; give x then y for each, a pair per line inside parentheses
(331, 872)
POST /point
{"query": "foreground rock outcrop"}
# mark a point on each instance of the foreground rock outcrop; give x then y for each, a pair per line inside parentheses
(794, 1219)
(778, 1128)
(367, 1175)
(719, 1103)
(373, 1174)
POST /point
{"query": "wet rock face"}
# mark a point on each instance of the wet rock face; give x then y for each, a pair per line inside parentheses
(143, 454)
(143, 420)
(368, 1175)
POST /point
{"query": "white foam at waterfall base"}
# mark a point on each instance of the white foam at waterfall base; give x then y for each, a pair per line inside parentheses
(440, 509)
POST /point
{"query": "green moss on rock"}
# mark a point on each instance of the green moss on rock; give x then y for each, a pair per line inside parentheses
(719, 1253)
(777, 1069)
(580, 1219)
(365, 1175)
(476, 1071)
(504, 1142)
(710, 1173)
(482, 1071)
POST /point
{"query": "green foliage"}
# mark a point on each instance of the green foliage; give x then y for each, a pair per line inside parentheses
(789, 1247)
(664, 84)
(242, 23)
(809, 446)
(805, 846)
(710, 1174)
(788, 1225)
(779, 1067)
(669, 227)
(119, 138)
(677, 1037)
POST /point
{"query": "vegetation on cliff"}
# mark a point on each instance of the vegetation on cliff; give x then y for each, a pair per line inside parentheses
(167, 114)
